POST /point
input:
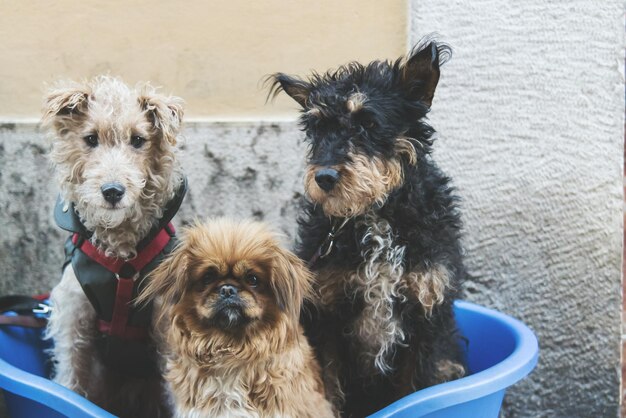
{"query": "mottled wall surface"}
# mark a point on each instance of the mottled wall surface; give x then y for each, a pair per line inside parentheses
(234, 169)
(29, 241)
(530, 114)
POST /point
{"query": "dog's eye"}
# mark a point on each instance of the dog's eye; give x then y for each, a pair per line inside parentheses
(252, 280)
(209, 277)
(370, 124)
(137, 141)
(367, 122)
(91, 140)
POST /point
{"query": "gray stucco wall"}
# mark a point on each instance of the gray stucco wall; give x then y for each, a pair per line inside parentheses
(530, 113)
(235, 169)
(530, 119)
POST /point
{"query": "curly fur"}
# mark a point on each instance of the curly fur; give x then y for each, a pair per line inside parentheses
(377, 280)
(429, 287)
(364, 182)
(107, 108)
(263, 365)
(73, 335)
(382, 324)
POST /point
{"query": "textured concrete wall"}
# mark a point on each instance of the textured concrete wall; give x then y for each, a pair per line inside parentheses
(235, 169)
(530, 112)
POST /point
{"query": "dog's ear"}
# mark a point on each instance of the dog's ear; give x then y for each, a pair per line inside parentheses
(64, 101)
(167, 281)
(419, 74)
(164, 112)
(296, 88)
(291, 283)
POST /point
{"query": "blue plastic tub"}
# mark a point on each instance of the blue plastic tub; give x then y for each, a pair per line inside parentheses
(501, 351)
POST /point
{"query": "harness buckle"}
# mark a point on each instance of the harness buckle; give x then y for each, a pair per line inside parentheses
(127, 271)
(42, 310)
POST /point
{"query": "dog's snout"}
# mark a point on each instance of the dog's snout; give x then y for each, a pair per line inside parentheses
(228, 291)
(326, 178)
(113, 192)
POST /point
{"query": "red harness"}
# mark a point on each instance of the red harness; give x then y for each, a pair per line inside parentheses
(124, 291)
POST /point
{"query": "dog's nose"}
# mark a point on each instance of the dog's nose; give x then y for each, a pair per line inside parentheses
(326, 178)
(228, 291)
(113, 192)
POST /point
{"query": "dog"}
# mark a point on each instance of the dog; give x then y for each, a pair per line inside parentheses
(380, 228)
(229, 300)
(114, 152)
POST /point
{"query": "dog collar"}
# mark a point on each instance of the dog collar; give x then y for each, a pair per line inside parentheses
(326, 247)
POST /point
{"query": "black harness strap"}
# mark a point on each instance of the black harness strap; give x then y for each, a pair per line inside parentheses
(29, 312)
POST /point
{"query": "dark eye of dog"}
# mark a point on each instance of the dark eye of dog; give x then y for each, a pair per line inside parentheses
(91, 140)
(252, 280)
(369, 124)
(366, 121)
(209, 277)
(137, 141)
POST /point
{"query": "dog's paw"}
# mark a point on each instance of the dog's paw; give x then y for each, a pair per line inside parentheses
(428, 287)
(448, 370)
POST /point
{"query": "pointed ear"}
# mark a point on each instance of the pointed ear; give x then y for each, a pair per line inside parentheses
(419, 75)
(167, 281)
(64, 101)
(291, 283)
(164, 112)
(296, 88)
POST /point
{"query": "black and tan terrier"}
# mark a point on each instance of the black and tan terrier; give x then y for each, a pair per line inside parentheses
(381, 229)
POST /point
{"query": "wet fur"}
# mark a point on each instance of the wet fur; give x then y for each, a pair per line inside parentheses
(263, 367)
(382, 324)
(151, 174)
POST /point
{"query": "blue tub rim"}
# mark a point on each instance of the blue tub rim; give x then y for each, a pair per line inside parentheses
(498, 377)
(46, 392)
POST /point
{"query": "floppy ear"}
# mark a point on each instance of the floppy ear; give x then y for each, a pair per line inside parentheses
(64, 101)
(164, 112)
(291, 283)
(419, 75)
(298, 89)
(168, 280)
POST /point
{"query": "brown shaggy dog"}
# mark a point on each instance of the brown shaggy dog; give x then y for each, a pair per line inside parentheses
(229, 307)
(114, 151)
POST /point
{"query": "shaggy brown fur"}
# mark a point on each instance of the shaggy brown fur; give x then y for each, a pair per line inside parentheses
(103, 131)
(229, 302)
(113, 114)
(364, 182)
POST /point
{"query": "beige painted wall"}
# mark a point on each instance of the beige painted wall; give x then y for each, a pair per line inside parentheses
(211, 53)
